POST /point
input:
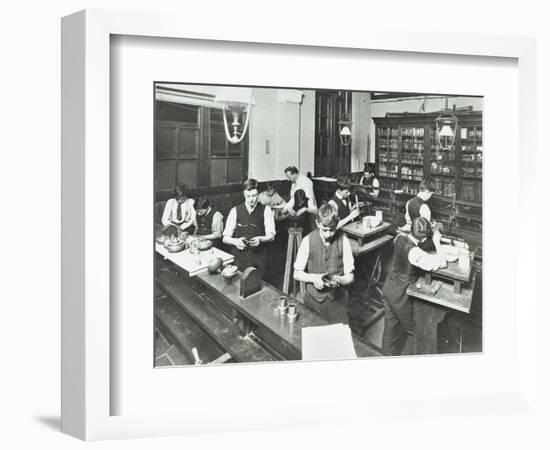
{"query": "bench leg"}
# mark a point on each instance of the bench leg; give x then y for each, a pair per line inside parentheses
(457, 287)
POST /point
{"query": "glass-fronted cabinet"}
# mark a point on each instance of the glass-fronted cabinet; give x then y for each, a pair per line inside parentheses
(408, 151)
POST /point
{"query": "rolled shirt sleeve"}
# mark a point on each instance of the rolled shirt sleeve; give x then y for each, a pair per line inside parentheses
(167, 213)
(231, 223)
(407, 217)
(307, 185)
(425, 212)
(217, 223)
(269, 223)
(302, 256)
(347, 256)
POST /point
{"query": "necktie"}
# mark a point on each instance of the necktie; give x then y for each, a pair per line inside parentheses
(178, 214)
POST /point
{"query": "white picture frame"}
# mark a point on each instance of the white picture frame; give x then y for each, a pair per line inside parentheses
(86, 284)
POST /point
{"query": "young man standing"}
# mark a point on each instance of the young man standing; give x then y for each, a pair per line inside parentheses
(249, 226)
(341, 201)
(417, 206)
(409, 258)
(325, 263)
(299, 181)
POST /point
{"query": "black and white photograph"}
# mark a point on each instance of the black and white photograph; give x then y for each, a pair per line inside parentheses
(315, 224)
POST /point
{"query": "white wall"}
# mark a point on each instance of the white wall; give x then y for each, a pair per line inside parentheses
(360, 140)
(284, 121)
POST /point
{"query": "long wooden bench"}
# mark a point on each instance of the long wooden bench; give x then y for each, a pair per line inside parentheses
(211, 320)
(182, 331)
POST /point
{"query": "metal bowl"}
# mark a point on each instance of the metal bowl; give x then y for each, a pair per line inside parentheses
(229, 272)
(174, 245)
(451, 253)
(205, 244)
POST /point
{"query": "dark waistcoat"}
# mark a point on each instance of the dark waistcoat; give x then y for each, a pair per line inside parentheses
(343, 208)
(249, 225)
(414, 207)
(403, 270)
(204, 223)
(325, 259)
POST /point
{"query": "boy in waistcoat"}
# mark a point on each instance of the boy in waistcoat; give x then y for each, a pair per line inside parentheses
(209, 221)
(341, 201)
(325, 255)
(418, 207)
(249, 226)
(409, 261)
(369, 181)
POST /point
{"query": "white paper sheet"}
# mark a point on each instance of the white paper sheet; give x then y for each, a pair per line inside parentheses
(327, 342)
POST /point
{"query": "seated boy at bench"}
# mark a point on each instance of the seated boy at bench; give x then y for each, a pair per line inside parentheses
(325, 263)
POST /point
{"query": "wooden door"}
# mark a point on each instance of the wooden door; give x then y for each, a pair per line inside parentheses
(331, 157)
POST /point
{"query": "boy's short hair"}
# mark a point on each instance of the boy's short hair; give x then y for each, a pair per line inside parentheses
(327, 216)
(250, 184)
(180, 190)
(369, 168)
(292, 169)
(203, 203)
(421, 228)
(343, 183)
(271, 185)
(426, 186)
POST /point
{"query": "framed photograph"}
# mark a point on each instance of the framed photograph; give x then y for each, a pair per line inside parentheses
(277, 220)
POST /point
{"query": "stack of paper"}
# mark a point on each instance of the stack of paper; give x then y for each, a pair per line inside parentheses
(327, 342)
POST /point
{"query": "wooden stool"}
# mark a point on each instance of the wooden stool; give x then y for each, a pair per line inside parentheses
(294, 241)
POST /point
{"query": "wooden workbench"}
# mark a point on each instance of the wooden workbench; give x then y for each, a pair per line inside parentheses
(194, 264)
(259, 314)
(429, 310)
(357, 231)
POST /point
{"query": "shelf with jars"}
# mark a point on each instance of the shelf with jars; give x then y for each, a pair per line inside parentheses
(408, 151)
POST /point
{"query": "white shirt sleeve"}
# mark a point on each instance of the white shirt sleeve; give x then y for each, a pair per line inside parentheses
(375, 188)
(309, 190)
(426, 261)
(425, 212)
(217, 223)
(167, 213)
(269, 223)
(407, 217)
(302, 256)
(290, 204)
(231, 223)
(188, 213)
(347, 255)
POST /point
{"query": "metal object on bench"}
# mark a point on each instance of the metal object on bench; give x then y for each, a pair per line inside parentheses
(294, 242)
(251, 282)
